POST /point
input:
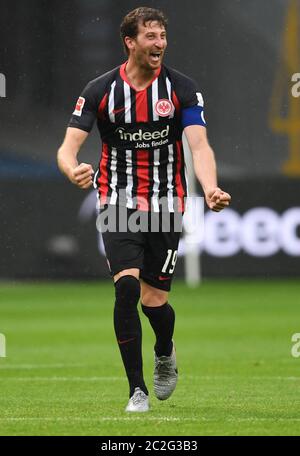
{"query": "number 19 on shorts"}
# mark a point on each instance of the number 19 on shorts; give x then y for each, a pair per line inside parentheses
(170, 262)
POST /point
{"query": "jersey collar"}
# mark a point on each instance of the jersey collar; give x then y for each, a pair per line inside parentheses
(124, 77)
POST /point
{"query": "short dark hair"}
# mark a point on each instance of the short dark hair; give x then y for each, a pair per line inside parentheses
(130, 23)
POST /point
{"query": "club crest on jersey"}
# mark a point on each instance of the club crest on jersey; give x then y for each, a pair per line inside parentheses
(164, 107)
(79, 106)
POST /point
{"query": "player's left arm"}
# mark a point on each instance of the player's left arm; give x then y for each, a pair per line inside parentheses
(205, 167)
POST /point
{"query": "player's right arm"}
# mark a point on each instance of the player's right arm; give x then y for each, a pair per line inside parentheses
(79, 174)
(81, 123)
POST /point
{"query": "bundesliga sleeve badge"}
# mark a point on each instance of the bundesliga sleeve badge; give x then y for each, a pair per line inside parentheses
(79, 106)
(164, 107)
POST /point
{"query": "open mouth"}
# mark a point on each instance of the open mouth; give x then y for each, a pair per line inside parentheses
(155, 56)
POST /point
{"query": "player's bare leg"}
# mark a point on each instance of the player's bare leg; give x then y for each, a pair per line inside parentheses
(132, 271)
(129, 336)
(162, 319)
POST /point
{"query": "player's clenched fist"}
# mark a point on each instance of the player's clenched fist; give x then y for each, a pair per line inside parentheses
(82, 175)
(216, 199)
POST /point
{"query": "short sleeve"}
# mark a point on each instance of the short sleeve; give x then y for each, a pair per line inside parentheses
(190, 94)
(86, 108)
(192, 105)
(190, 99)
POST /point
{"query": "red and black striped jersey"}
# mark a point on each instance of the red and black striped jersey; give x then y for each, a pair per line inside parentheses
(142, 161)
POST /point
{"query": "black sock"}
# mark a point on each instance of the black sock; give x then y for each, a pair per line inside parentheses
(162, 320)
(128, 330)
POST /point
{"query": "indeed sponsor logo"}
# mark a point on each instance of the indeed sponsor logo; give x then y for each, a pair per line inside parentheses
(142, 136)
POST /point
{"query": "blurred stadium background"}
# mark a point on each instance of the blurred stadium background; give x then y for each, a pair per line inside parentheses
(243, 54)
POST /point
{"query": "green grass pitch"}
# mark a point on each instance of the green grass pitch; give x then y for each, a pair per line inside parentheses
(63, 373)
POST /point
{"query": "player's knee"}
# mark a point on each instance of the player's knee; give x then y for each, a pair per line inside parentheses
(154, 298)
(127, 290)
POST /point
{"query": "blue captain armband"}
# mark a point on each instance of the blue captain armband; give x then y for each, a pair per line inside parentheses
(193, 116)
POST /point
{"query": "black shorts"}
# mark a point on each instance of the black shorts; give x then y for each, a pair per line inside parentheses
(147, 241)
